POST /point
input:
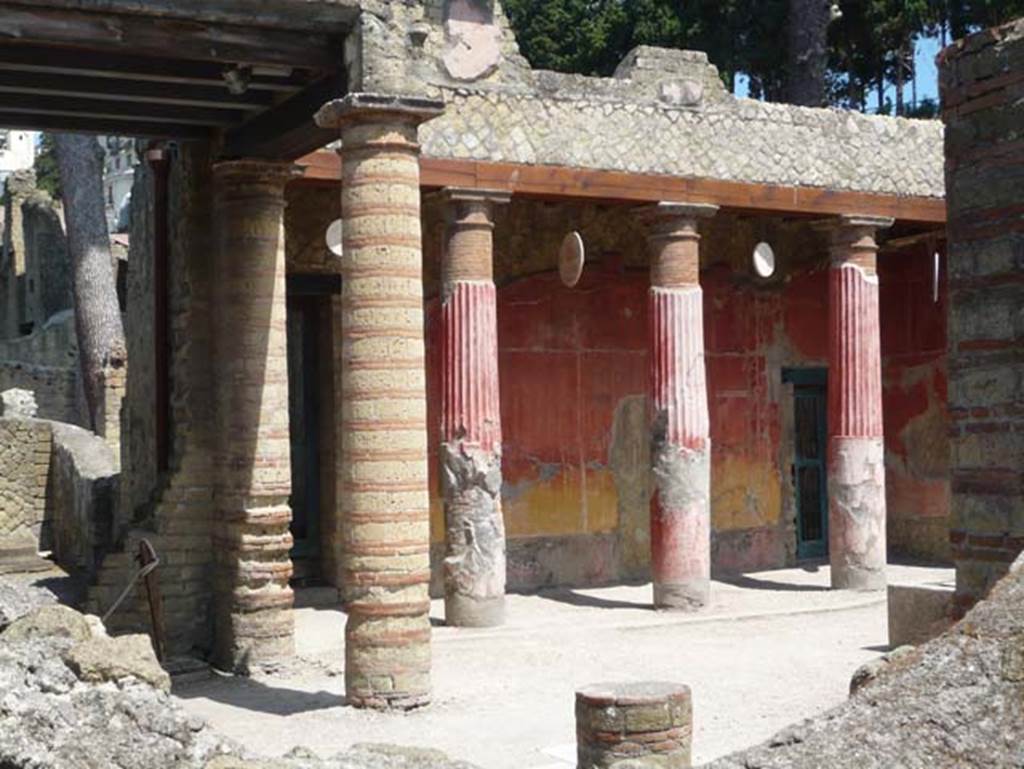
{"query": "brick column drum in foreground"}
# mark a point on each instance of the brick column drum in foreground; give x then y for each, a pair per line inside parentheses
(680, 442)
(651, 722)
(382, 474)
(856, 453)
(253, 600)
(474, 564)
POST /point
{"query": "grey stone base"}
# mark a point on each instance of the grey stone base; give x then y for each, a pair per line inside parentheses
(465, 611)
(918, 613)
(682, 596)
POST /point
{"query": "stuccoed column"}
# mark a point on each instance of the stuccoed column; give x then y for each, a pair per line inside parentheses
(383, 489)
(680, 441)
(474, 565)
(856, 454)
(254, 619)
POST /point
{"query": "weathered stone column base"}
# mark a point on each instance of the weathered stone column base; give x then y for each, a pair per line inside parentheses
(856, 489)
(681, 528)
(474, 564)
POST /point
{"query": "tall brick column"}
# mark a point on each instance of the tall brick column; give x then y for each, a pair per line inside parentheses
(253, 600)
(981, 79)
(383, 438)
(680, 441)
(474, 564)
(856, 453)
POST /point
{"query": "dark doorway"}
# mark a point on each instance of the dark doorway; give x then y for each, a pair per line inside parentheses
(810, 467)
(310, 415)
(304, 426)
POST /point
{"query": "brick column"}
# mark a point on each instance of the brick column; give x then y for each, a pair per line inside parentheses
(474, 564)
(253, 600)
(856, 463)
(383, 489)
(680, 443)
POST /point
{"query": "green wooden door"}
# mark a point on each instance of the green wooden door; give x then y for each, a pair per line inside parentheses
(810, 468)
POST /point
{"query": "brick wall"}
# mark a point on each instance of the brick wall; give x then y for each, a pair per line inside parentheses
(24, 473)
(57, 488)
(982, 86)
(174, 510)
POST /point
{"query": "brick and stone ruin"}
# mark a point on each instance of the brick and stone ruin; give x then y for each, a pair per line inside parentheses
(425, 409)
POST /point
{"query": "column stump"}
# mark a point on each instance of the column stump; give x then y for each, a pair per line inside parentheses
(650, 721)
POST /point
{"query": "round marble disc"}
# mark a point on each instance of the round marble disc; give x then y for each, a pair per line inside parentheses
(764, 260)
(570, 259)
(333, 237)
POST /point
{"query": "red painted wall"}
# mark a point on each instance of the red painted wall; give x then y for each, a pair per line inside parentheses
(915, 398)
(570, 357)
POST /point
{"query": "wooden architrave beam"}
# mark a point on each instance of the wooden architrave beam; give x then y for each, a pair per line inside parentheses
(75, 86)
(21, 57)
(171, 38)
(106, 127)
(104, 109)
(620, 186)
(313, 15)
(288, 130)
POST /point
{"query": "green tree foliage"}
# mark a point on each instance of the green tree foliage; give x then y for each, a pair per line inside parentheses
(47, 173)
(870, 47)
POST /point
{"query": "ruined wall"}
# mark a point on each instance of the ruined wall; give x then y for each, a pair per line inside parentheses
(24, 473)
(982, 86)
(46, 362)
(35, 271)
(177, 512)
(57, 490)
(664, 111)
(914, 392)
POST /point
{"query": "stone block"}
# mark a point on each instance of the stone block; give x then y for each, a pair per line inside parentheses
(18, 403)
(918, 613)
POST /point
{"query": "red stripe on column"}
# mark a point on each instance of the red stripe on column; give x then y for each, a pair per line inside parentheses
(470, 408)
(678, 382)
(855, 361)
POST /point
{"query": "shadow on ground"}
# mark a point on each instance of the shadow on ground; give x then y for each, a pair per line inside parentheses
(575, 598)
(256, 695)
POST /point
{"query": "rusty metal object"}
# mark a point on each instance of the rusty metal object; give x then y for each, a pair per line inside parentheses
(147, 557)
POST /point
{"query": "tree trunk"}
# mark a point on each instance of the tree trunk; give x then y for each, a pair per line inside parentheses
(807, 57)
(98, 325)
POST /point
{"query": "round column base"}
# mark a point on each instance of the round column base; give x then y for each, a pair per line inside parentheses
(854, 578)
(467, 611)
(691, 595)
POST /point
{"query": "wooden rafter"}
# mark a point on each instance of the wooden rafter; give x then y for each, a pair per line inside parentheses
(171, 38)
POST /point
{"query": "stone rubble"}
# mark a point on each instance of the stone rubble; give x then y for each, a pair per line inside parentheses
(72, 697)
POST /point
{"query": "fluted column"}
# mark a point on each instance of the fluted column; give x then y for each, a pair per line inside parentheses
(856, 454)
(382, 473)
(253, 614)
(474, 564)
(680, 441)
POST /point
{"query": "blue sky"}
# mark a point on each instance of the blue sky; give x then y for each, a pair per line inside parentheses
(927, 76)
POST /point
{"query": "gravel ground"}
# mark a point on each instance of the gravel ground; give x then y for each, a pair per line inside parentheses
(775, 647)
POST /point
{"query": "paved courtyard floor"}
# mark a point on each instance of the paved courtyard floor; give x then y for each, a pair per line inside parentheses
(773, 648)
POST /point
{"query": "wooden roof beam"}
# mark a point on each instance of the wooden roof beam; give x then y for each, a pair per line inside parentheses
(118, 110)
(62, 61)
(169, 38)
(74, 86)
(624, 187)
(107, 127)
